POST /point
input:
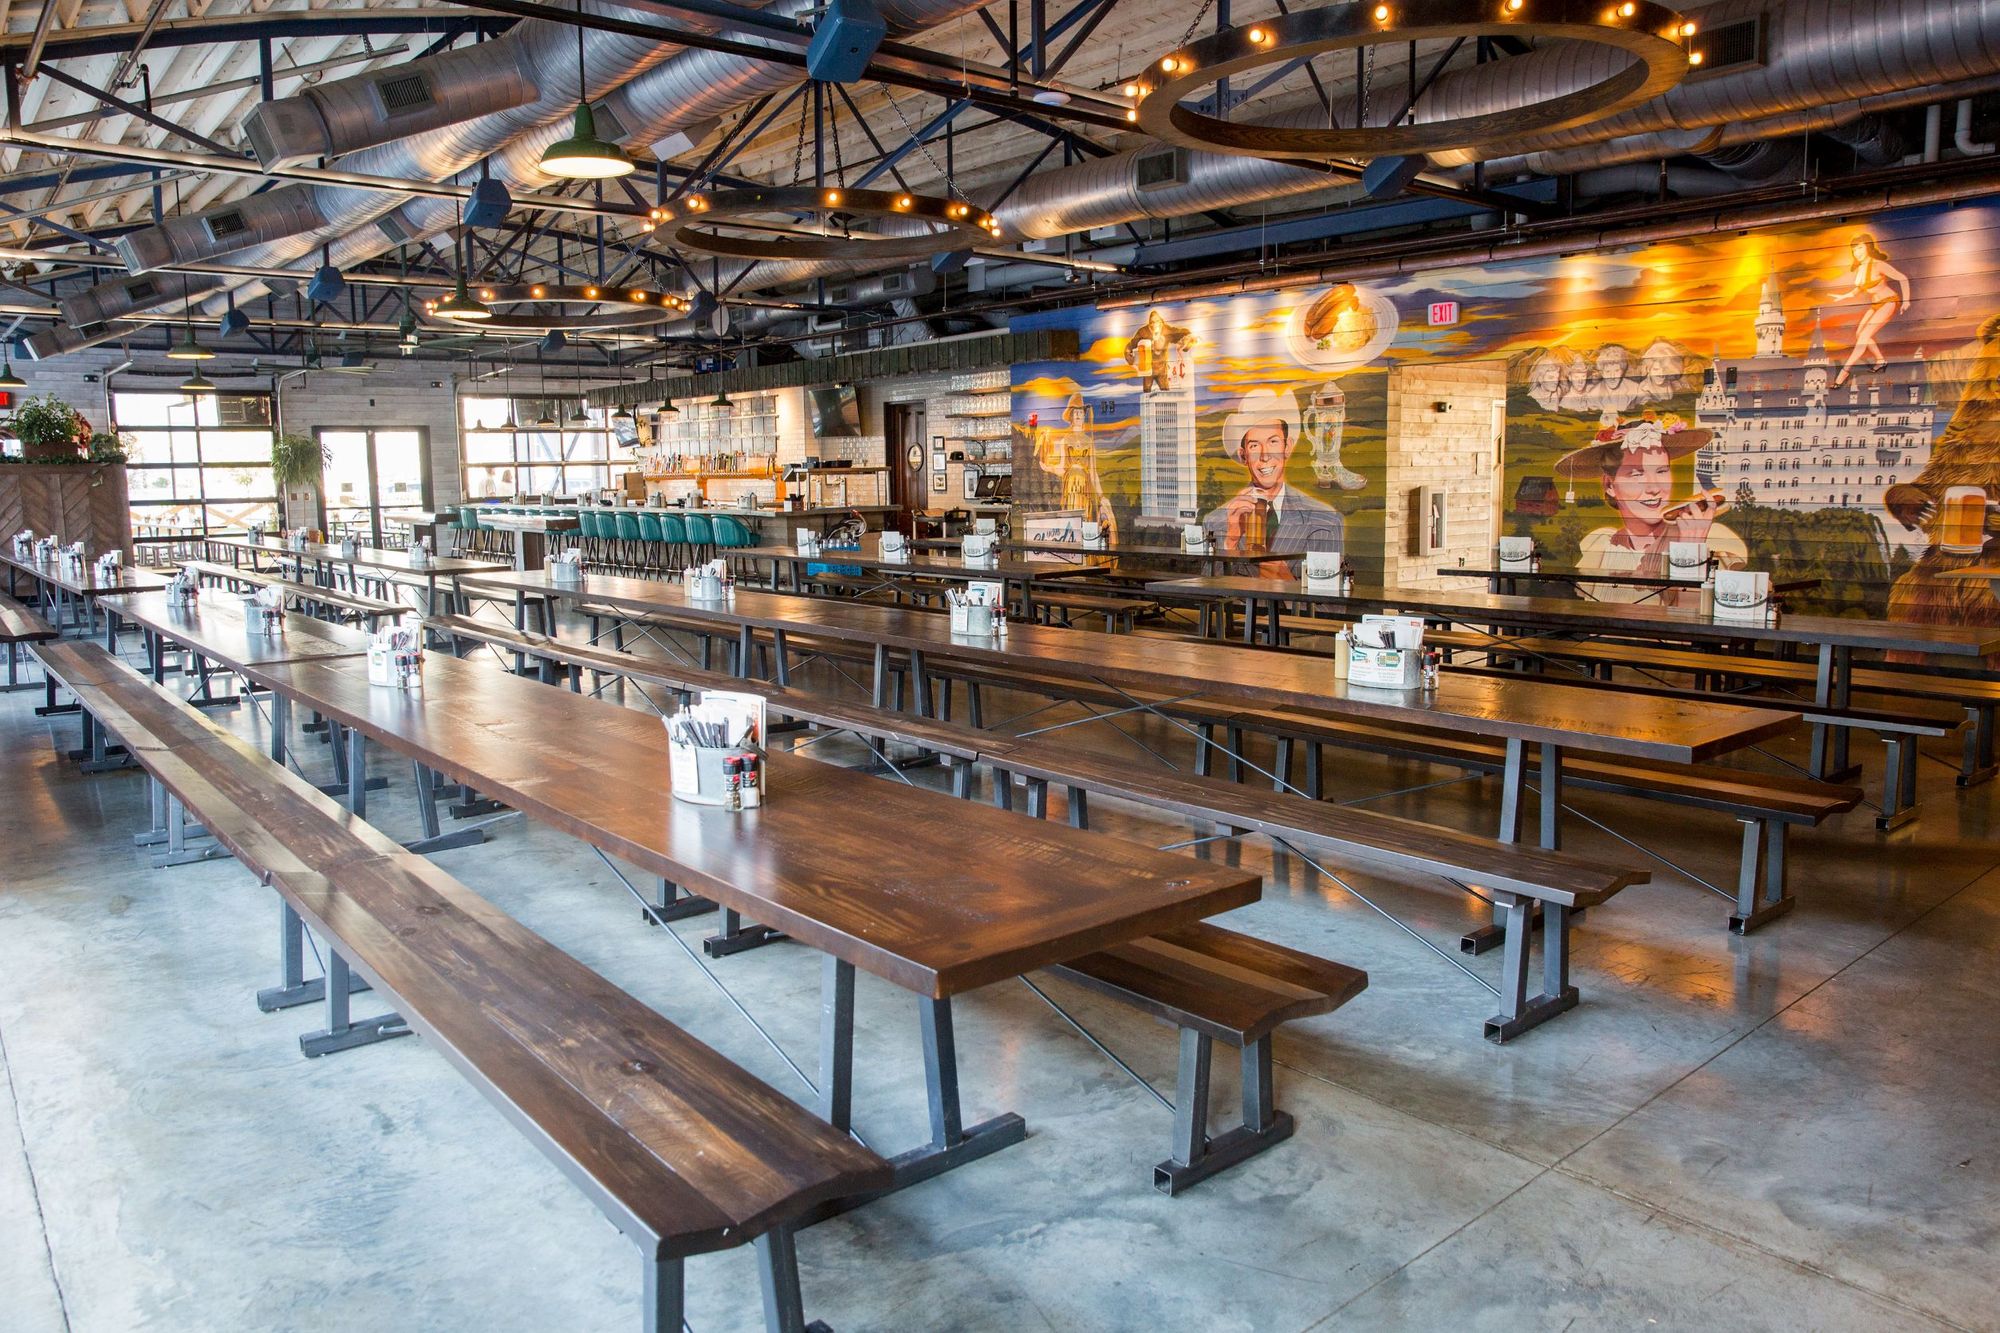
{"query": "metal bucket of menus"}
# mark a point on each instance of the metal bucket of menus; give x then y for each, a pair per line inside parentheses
(708, 583)
(1687, 562)
(895, 548)
(1387, 652)
(1326, 573)
(715, 751)
(979, 548)
(1195, 540)
(979, 611)
(1743, 596)
(565, 568)
(264, 612)
(396, 658)
(1519, 555)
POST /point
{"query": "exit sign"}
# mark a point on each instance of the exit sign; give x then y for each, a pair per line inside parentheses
(1444, 312)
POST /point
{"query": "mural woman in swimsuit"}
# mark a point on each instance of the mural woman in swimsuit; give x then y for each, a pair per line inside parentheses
(1876, 281)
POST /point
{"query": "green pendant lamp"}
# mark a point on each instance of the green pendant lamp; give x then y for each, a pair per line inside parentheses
(463, 305)
(584, 156)
(8, 379)
(197, 383)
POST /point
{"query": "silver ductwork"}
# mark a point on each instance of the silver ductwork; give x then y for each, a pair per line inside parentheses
(389, 104)
(87, 315)
(692, 89)
(291, 221)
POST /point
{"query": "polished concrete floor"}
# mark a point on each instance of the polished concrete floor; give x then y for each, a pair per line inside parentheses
(1796, 1130)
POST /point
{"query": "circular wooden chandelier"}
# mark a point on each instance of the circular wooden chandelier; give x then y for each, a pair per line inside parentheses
(608, 309)
(713, 224)
(1653, 35)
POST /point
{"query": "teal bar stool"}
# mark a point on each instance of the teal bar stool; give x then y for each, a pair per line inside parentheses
(653, 541)
(628, 538)
(674, 532)
(732, 534)
(701, 535)
(592, 529)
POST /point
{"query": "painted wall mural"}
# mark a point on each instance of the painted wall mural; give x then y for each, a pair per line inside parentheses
(1822, 401)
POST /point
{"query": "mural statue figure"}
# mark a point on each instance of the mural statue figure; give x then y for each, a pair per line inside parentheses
(1874, 280)
(1634, 461)
(1069, 454)
(1269, 513)
(1545, 378)
(1952, 500)
(1614, 392)
(1578, 393)
(1662, 371)
(1151, 350)
(1325, 425)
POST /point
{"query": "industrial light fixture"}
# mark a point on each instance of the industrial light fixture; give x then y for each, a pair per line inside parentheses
(9, 380)
(547, 420)
(579, 417)
(1651, 34)
(623, 413)
(665, 409)
(197, 383)
(583, 156)
(715, 225)
(189, 348)
(721, 399)
(462, 305)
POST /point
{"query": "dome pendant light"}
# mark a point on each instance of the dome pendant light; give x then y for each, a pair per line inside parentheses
(721, 399)
(462, 305)
(189, 348)
(667, 408)
(197, 383)
(8, 379)
(584, 156)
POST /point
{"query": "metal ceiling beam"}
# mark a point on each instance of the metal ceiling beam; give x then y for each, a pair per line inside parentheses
(244, 166)
(118, 103)
(117, 39)
(195, 93)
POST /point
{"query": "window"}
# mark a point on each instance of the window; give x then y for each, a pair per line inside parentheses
(571, 458)
(200, 465)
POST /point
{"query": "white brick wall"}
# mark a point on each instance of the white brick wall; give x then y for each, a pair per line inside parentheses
(1454, 450)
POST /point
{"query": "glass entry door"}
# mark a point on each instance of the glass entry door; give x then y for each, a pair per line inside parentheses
(370, 473)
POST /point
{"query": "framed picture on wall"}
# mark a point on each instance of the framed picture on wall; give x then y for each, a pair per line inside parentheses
(938, 483)
(970, 483)
(938, 460)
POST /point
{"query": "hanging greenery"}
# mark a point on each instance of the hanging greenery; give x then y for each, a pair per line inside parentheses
(49, 429)
(296, 460)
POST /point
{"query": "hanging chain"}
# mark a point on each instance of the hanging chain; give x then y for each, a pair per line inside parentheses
(1199, 15)
(799, 149)
(951, 187)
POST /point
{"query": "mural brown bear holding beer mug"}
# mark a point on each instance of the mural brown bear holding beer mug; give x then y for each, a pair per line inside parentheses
(1953, 500)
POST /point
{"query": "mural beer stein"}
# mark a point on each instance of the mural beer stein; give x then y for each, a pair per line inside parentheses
(1962, 520)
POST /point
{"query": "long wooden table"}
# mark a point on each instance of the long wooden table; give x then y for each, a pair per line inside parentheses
(1506, 582)
(1138, 550)
(71, 598)
(1833, 638)
(1549, 715)
(393, 567)
(927, 892)
(1017, 576)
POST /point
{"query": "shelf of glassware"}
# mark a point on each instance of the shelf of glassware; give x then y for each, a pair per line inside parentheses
(750, 427)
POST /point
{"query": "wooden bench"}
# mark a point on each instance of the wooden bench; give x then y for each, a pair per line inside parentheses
(1726, 671)
(1120, 614)
(1522, 881)
(306, 595)
(19, 625)
(1215, 984)
(682, 1150)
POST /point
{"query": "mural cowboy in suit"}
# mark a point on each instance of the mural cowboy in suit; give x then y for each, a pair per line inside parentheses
(1270, 513)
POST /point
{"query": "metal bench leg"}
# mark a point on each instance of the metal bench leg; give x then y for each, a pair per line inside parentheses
(836, 1042)
(1761, 878)
(1281, 766)
(665, 1296)
(1204, 747)
(293, 989)
(1038, 798)
(1518, 1011)
(1196, 1156)
(778, 1278)
(674, 903)
(342, 1033)
(178, 831)
(1977, 766)
(434, 839)
(1079, 808)
(1315, 771)
(1003, 789)
(1513, 787)
(735, 937)
(961, 779)
(1899, 783)
(1235, 735)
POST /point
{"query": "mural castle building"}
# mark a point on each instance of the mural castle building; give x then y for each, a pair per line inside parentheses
(1781, 428)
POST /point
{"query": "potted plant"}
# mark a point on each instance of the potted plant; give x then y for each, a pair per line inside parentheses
(296, 460)
(49, 429)
(106, 447)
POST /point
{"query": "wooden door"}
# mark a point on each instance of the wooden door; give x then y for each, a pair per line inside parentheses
(909, 462)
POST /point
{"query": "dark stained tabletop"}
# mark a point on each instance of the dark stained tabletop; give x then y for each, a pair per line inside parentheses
(1145, 550)
(369, 557)
(1642, 619)
(931, 566)
(935, 894)
(214, 627)
(1532, 710)
(130, 578)
(1578, 578)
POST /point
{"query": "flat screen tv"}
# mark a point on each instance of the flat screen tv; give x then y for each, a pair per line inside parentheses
(836, 411)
